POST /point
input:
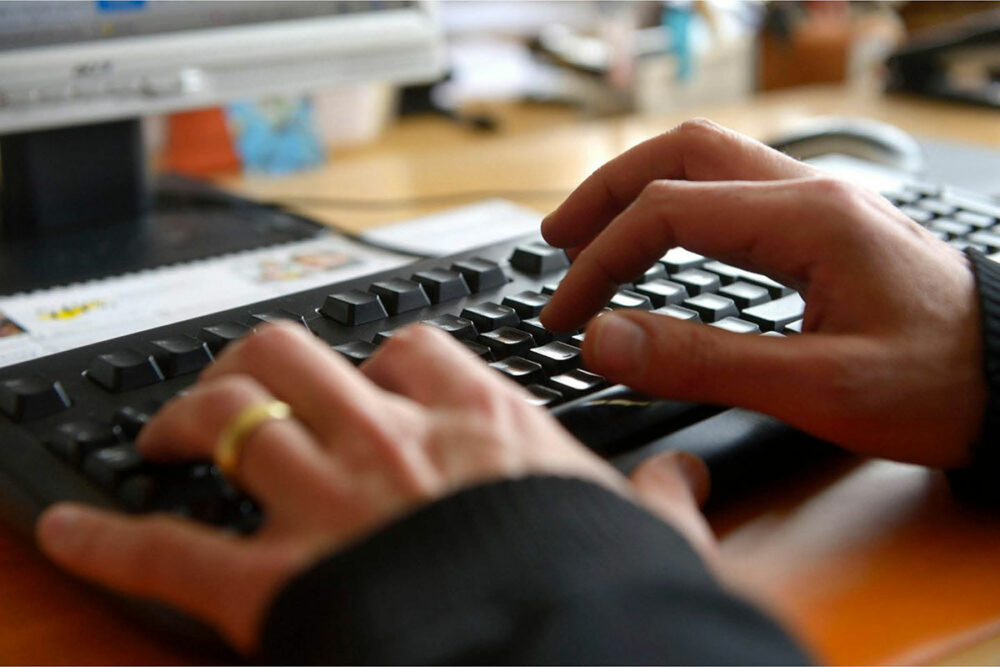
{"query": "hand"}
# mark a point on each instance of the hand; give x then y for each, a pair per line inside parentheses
(424, 420)
(889, 362)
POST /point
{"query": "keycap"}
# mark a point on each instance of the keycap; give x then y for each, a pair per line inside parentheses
(679, 313)
(556, 357)
(918, 215)
(679, 259)
(988, 239)
(138, 492)
(356, 351)
(543, 397)
(973, 204)
(538, 258)
(936, 206)
(624, 298)
(276, 316)
(220, 335)
(180, 355)
(478, 349)
(399, 295)
(550, 287)
(124, 370)
(662, 292)
(655, 272)
(442, 284)
(898, 197)
(793, 327)
(458, 327)
(76, 440)
(745, 294)
(480, 274)
(964, 244)
(980, 220)
(711, 307)
(697, 281)
(520, 370)
(730, 274)
(774, 315)
(130, 419)
(950, 227)
(109, 466)
(489, 316)
(736, 325)
(382, 336)
(32, 397)
(527, 304)
(353, 307)
(576, 383)
(507, 341)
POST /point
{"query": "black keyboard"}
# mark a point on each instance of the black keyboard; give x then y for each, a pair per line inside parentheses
(68, 421)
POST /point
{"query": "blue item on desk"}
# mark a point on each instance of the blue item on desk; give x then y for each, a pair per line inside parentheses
(276, 136)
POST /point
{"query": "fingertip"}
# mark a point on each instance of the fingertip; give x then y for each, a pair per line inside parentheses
(616, 346)
(675, 466)
(59, 528)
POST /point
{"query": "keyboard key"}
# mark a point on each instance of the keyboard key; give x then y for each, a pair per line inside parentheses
(458, 327)
(353, 307)
(77, 440)
(936, 206)
(543, 397)
(745, 294)
(655, 272)
(526, 304)
(774, 315)
(32, 397)
(556, 357)
(131, 419)
(679, 259)
(964, 244)
(736, 325)
(918, 215)
(400, 295)
(576, 383)
(973, 204)
(480, 274)
(356, 351)
(520, 370)
(538, 258)
(988, 239)
(538, 331)
(507, 341)
(442, 284)
(138, 492)
(898, 197)
(124, 370)
(180, 355)
(697, 281)
(980, 220)
(662, 292)
(628, 299)
(489, 316)
(950, 227)
(793, 327)
(109, 466)
(478, 349)
(276, 316)
(679, 313)
(220, 335)
(730, 274)
(382, 336)
(711, 307)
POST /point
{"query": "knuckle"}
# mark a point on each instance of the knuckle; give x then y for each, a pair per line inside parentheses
(835, 192)
(700, 130)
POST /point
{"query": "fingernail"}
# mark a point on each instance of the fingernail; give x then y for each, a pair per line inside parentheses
(620, 344)
(59, 529)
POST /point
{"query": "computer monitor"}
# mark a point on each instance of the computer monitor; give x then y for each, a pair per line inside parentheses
(76, 78)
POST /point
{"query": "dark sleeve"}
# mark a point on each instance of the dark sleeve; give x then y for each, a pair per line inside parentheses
(978, 482)
(539, 570)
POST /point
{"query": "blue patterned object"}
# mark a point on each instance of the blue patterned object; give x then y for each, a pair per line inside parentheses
(276, 135)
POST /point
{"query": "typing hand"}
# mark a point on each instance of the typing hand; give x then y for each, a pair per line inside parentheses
(889, 362)
(424, 419)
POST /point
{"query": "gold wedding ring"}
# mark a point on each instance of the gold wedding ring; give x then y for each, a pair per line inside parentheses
(229, 446)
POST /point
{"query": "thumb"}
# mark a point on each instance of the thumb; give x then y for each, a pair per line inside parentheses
(672, 485)
(662, 356)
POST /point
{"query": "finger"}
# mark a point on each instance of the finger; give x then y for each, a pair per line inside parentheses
(281, 463)
(697, 150)
(194, 568)
(754, 225)
(322, 388)
(794, 379)
(429, 367)
(673, 485)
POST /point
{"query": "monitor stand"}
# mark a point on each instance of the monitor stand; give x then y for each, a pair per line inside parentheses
(76, 206)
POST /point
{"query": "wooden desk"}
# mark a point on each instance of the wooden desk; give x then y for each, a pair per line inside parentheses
(867, 562)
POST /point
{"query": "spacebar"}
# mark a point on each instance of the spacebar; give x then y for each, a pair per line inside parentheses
(619, 419)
